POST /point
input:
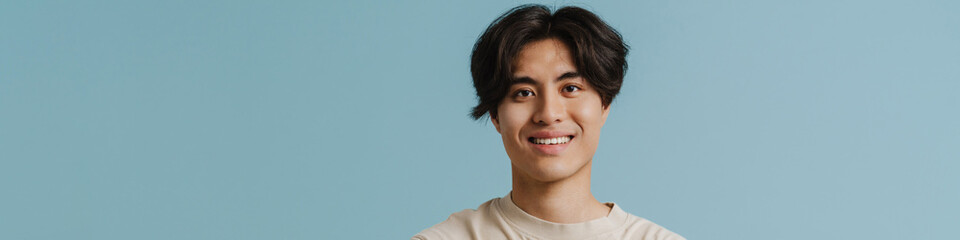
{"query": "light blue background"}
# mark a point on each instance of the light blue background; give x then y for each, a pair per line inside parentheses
(348, 120)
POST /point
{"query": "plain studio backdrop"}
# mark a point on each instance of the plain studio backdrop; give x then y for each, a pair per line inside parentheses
(348, 120)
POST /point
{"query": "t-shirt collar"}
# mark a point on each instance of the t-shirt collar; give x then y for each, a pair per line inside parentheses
(542, 228)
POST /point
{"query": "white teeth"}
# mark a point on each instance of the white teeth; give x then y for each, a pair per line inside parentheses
(551, 141)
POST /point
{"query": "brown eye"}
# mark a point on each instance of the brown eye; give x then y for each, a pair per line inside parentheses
(524, 93)
(571, 88)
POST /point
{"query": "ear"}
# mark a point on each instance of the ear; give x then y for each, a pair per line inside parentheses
(603, 115)
(496, 123)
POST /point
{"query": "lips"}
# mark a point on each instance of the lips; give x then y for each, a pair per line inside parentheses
(550, 142)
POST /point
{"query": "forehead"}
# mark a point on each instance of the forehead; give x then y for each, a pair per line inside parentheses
(543, 57)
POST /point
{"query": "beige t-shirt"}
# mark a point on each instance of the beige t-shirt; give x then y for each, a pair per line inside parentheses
(500, 218)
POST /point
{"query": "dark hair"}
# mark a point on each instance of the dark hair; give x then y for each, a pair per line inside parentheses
(598, 50)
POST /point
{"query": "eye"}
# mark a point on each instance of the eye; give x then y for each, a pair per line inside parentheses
(524, 93)
(571, 88)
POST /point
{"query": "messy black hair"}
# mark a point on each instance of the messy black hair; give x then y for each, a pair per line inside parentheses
(598, 50)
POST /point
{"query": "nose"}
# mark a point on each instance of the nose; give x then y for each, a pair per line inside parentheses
(550, 110)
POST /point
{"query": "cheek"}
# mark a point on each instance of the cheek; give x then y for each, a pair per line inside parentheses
(588, 114)
(511, 118)
(589, 117)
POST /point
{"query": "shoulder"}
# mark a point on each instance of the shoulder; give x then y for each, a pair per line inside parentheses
(463, 224)
(648, 230)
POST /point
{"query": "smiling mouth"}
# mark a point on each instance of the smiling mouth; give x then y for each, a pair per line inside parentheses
(550, 141)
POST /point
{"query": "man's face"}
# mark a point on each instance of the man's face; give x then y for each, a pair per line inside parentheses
(550, 119)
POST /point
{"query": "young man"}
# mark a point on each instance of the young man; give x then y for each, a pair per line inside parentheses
(547, 81)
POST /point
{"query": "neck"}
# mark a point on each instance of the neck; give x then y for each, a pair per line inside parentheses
(566, 200)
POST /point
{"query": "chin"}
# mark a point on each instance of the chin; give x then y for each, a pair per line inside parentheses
(549, 169)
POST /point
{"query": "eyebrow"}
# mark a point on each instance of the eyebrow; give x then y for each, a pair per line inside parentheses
(528, 80)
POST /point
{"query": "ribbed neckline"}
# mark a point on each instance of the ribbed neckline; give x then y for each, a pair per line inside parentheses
(541, 228)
